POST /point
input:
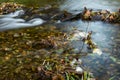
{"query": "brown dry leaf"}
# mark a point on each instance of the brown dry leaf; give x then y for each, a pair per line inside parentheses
(58, 77)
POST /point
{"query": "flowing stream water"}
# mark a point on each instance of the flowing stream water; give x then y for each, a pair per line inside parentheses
(105, 35)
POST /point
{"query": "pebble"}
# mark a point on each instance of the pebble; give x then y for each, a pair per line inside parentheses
(78, 62)
(112, 38)
(16, 35)
(7, 49)
(97, 51)
(79, 69)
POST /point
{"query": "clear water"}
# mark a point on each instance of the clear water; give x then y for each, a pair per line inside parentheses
(107, 37)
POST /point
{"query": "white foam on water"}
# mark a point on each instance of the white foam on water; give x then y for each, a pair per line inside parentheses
(8, 19)
(20, 23)
(14, 14)
(10, 22)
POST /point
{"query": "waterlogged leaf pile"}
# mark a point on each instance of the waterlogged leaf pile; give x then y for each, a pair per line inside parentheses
(33, 53)
(40, 65)
(31, 39)
(103, 15)
(9, 7)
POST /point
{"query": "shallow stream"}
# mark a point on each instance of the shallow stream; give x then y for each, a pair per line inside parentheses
(105, 35)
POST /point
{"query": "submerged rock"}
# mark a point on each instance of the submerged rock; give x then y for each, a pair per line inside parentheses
(97, 51)
(79, 69)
